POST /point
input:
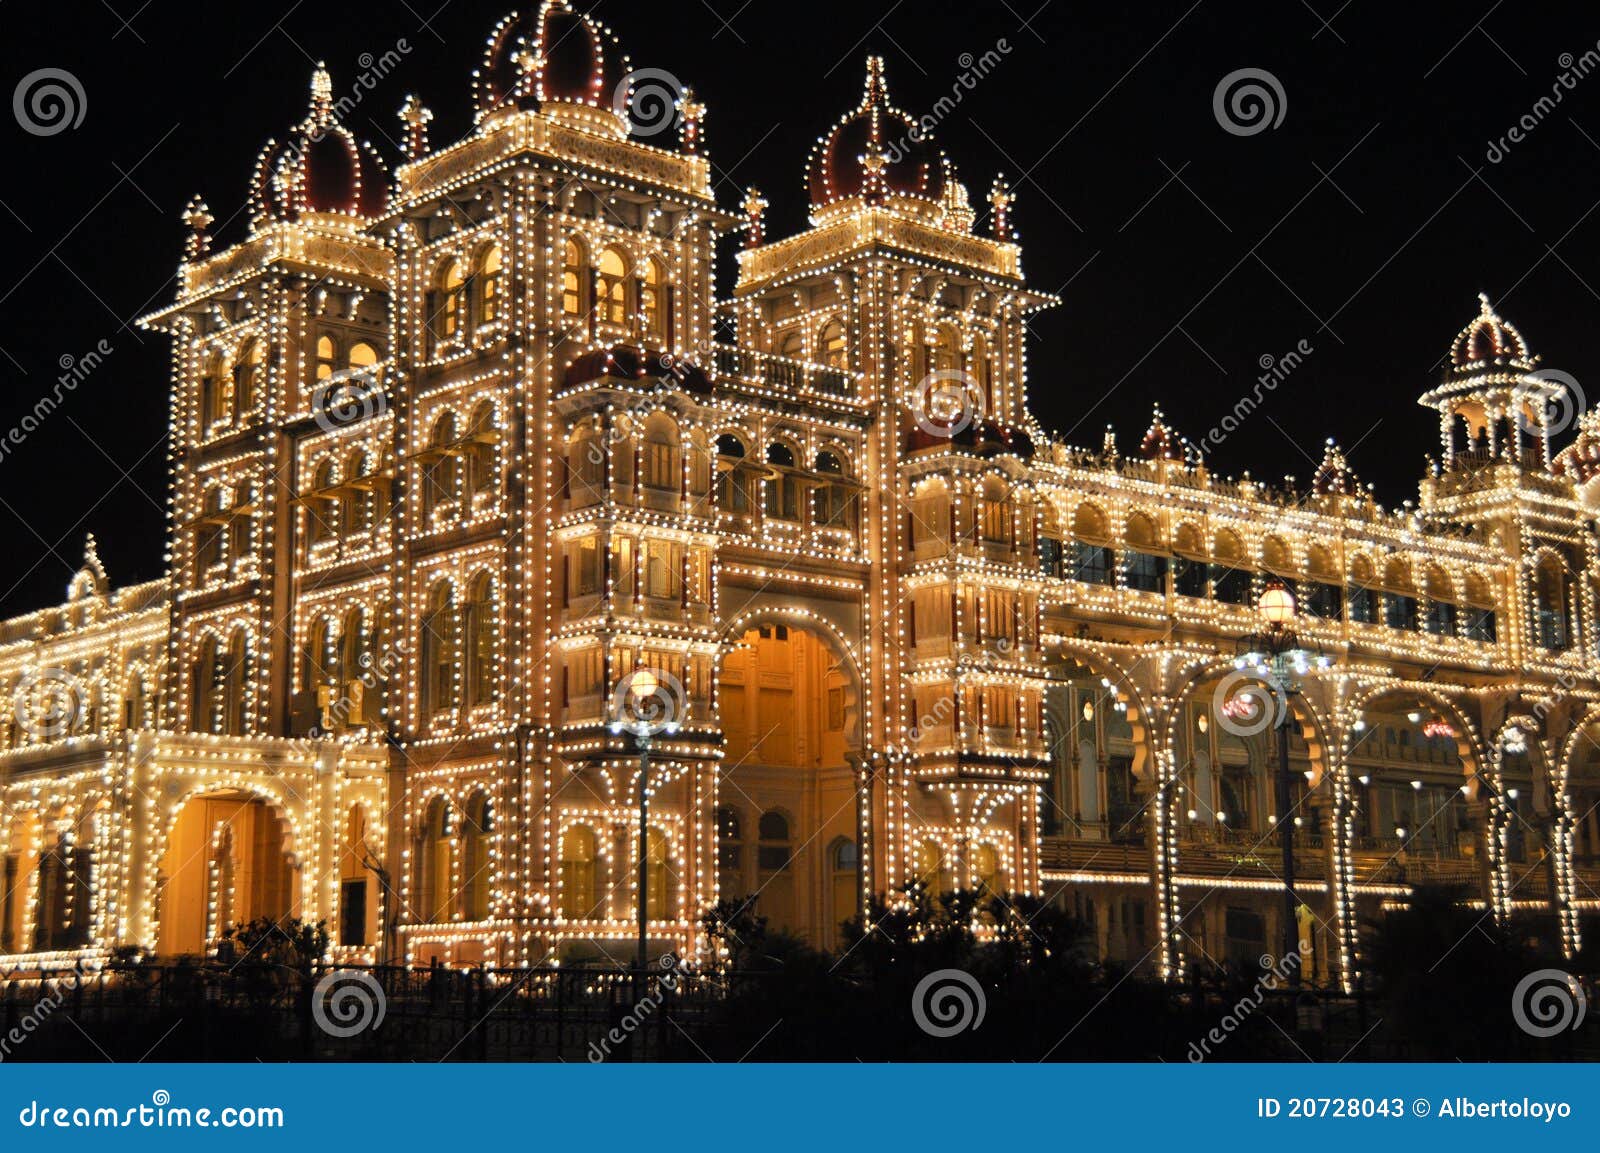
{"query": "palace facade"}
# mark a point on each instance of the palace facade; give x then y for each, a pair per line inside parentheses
(458, 451)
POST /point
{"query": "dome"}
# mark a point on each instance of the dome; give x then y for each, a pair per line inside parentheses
(319, 168)
(1161, 441)
(554, 55)
(1489, 342)
(875, 152)
(1580, 460)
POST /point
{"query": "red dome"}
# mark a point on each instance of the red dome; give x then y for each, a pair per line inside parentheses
(320, 167)
(874, 152)
(554, 54)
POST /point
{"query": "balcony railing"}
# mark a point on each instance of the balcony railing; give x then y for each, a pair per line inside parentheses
(777, 372)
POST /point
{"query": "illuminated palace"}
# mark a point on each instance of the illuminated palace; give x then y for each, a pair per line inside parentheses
(458, 450)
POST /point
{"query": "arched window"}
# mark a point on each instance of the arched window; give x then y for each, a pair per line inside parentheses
(734, 476)
(981, 372)
(658, 874)
(947, 349)
(445, 304)
(327, 357)
(211, 535)
(1550, 608)
(653, 302)
(435, 892)
(476, 870)
(578, 891)
(586, 468)
(834, 503)
(662, 457)
(235, 684)
(613, 287)
(440, 474)
(774, 851)
(205, 682)
(360, 510)
(249, 371)
(792, 344)
(439, 651)
(480, 629)
(831, 348)
(362, 356)
(490, 272)
(215, 392)
(354, 645)
(322, 505)
(783, 487)
(930, 868)
(317, 667)
(482, 454)
(574, 280)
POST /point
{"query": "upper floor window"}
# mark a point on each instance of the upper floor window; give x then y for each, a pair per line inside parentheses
(479, 630)
(439, 649)
(734, 476)
(482, 457)
(440, 473)
(574, 279)
(834, 502)
(783, 487)
(249, 370)
(447, 307)
(327, 357)
(613, 287)
(831, 348)
(653, 302)
(490, 274)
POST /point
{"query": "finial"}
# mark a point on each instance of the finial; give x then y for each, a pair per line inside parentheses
(877, 86)
(1001, 200)
(322, 94)
(198, 243)
(691, 121)
(755, 207)
(416, 118)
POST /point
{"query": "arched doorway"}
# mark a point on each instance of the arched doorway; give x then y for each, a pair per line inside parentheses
(788, 699)
(227, 862)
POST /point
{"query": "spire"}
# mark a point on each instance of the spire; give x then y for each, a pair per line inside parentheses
(1161, 441)
(877, 89)
(1333, 476)
(416, 118)
(691, 122)
(198, 243)
(755, 208)
(1000, 201)
(322, 95)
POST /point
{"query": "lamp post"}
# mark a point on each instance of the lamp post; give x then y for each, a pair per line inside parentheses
(643, 707)
(1278, 659)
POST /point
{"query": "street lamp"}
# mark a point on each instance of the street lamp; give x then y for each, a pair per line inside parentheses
(1275, 655)
(644, 706)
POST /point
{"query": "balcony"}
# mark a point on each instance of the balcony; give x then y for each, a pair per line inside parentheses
(781, 374)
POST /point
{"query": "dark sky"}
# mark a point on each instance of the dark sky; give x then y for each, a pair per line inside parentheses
(1364, 223)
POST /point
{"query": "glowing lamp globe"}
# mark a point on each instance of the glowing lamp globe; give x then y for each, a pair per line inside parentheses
(1277, 605)
(643, 683)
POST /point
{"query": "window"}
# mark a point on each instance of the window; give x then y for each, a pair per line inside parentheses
(1480, 625)
(212, 533)
(439, 652)
(930, 868)
(577, 872)
(783, 488)
(235, 684)
(204, 683)
(440, 473)
(482, 458)
(1400, 611)
(1361, 605)
(831, 348)
(490, 272)
(1092, 563)
(249, 373)
(613, 287)
(733, 476)
(834, 504)
(1320, 600)
(1550, 621)
(1230, 585)
(986, 869)
(354, 644)
(1049, 556)
(772, 855)
(1189, 577)
(215, 398)
(574, 279)
(653, 302)
(476, 872)
(362, 356)
(317, 662)
(446, 310)
(1145, 572)
(661, 458)
(1441, 618)
(361, 499)
(480, 632)
(322, 505)
(658, 875)
(730, 848)
(434, 863)
(327, 357)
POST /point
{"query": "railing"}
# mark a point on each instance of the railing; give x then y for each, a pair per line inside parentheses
(779, 372)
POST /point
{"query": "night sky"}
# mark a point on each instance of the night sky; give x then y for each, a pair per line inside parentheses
(1364, 223)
